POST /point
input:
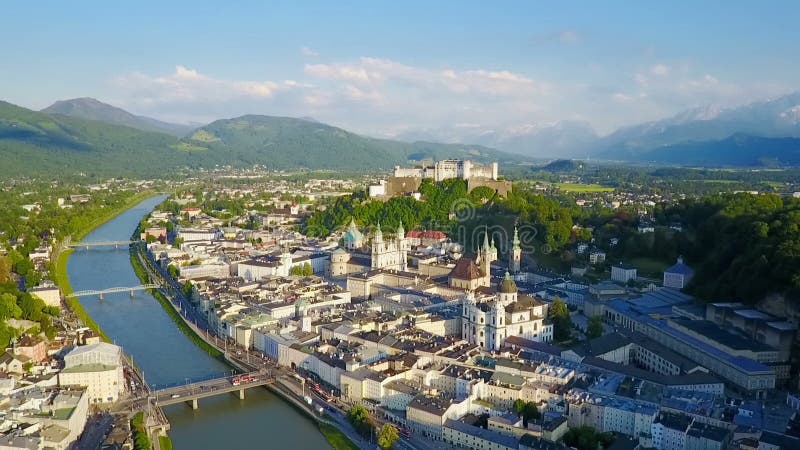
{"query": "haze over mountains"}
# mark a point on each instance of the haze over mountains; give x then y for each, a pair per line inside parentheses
(708, 131)
(86, 134)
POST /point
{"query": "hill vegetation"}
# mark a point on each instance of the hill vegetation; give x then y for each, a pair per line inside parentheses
(89, 108)
(281, 142)
(37, 143)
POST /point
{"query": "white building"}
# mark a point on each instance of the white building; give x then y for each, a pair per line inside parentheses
(622, 273)
(450, 168)
(98, 367)
(488, 321)
(678, 276)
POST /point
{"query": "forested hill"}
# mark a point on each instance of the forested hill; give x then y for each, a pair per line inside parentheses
(37, 143)
(290, 142)
(89, 108)
(743, 246)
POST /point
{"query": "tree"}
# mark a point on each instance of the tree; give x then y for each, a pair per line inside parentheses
(519, 407)
(173, 271)
(387, 436)
(595, 327)
(558, 313)
(587, 438)
(526, 410)
(360, 419)
(5, 269)
(8, 307)
(187, 289)
(307, 269)
(530, 412)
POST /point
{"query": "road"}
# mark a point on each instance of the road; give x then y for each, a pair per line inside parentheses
(95, 432)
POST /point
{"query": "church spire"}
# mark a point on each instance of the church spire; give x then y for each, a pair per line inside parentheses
(400, 230)
(486, 238)
(515, 242)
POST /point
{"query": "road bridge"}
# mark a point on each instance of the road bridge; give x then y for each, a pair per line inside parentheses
(192, 392)
(113, 290)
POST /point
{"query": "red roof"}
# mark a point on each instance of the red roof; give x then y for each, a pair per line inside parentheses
(466, 269)
(429, 234)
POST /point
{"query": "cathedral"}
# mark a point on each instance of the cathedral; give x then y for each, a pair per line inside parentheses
(489, 318)
(357, 257)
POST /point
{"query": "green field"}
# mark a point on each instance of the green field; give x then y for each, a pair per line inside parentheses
(583, 188)
(649, 266)
(336, 438)
(718, 181)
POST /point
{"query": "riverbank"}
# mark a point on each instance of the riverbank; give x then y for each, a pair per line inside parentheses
(170, 310)
(335, 437)
(61, 279)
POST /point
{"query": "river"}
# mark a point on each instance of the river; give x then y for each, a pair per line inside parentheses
(167, 356)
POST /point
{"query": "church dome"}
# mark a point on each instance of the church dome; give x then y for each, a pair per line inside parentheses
(353, 236)
(508, 286)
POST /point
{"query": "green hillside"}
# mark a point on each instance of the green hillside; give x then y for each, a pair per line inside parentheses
(39, 144)
(284, 142)
(89, 108)
(36, 143)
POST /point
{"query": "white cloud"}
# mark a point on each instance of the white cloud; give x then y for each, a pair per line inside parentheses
(382, 96)
(383, 73)
(569, 36)
(188, 85)
(660, 69)
(307, 51)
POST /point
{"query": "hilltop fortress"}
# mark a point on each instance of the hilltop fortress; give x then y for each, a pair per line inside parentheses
(406, 181)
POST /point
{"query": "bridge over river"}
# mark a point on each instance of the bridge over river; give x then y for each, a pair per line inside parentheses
(192, 392)
(113, 290)
(87, 245)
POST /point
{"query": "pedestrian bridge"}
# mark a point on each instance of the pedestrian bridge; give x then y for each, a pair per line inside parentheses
(192, 392)
(115, 244)
(113, 290)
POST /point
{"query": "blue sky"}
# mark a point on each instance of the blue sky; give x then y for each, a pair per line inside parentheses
(386, 68)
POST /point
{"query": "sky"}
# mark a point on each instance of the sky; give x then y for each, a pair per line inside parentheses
(390, 68)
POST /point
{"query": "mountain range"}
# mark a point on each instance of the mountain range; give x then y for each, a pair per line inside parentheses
(89, 108)
(708, 131)
(86, 135)
(72, 141)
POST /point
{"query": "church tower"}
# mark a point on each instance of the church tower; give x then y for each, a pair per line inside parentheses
(286, 263)
(486, 264)
(515, 255)
(402, 246)
(377, 248)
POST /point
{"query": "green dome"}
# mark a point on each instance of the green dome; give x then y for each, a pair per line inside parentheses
(353, 236)
(508, 286)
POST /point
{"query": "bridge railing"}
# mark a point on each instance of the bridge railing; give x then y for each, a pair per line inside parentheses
(196, 381)
(112, 290)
